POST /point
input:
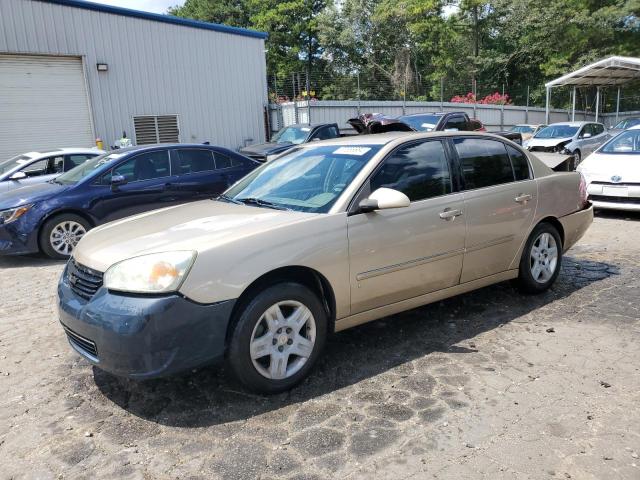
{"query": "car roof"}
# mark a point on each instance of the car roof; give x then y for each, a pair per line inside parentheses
(572, 124)
(635, 127)
(140, 148)
(311, 125)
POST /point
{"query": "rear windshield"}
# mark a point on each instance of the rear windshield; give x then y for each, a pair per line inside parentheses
(557, 131)
(8, 165)
(627, 142)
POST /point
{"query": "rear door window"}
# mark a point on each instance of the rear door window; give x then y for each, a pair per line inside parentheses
(484, 162)
(193, 160)
(419, 170)
(520, 163)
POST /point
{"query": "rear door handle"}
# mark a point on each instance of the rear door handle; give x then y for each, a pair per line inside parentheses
(523, 198)
(448, 214)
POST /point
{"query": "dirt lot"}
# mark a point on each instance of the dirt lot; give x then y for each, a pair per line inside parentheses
(492, 384)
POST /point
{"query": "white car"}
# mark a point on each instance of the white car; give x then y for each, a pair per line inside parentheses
(571, 138)
(39, 167)
(612, 173)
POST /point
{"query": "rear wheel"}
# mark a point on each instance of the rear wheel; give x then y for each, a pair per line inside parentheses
(277, 338)
(541, 259)
(60, 235)
(575, 161)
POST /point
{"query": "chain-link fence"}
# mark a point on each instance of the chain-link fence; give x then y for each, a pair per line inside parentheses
(379, 87)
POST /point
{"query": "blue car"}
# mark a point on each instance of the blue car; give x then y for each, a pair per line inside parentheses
(52, 217)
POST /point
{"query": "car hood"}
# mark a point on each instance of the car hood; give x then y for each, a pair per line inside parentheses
(30, 194)
(197, 226)
(546, 142)
(601, 167)
(269, 148)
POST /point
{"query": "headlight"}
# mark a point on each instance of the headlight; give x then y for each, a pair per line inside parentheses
(154, 273)
(12, 214)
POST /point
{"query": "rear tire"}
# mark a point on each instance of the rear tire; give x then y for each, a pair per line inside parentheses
(541, 259)
(575, 161)
(60, 235)
(277, 338)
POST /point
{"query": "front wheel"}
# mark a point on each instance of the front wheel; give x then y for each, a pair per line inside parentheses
(277, 338)
(541, 259)
(60, 235)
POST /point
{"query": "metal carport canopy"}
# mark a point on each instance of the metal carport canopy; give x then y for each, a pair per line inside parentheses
(607, 72)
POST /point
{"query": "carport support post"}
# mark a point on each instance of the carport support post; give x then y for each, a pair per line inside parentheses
(597, 101)
(573, 107)
(546, 116)
(526, 110)
(617, 105)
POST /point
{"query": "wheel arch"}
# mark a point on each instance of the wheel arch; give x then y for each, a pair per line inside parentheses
(62, 211)
(556, 223)
(307, 276)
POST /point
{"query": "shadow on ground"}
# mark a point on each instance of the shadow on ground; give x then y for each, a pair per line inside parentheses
(207, 397)
(22, 261)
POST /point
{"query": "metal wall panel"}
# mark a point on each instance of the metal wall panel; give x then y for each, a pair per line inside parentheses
(215, 81)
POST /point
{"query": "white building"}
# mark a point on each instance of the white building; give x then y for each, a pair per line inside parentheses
(72, 71)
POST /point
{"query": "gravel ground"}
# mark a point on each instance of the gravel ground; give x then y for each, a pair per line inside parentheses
(492, 384)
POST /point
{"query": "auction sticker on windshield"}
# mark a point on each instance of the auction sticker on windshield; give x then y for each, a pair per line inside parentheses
(351, 150)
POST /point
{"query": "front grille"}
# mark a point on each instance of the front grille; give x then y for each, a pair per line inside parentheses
(84, 281)
(84, 344)
(620, 184)
(606, 198)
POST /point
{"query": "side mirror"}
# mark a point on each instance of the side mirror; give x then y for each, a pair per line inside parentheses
(116, 181)
(383, 199)
(18, 176)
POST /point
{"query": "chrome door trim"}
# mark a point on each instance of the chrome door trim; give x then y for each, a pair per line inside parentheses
(408, 264)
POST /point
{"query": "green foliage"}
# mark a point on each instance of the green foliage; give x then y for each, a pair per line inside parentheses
(404, 47)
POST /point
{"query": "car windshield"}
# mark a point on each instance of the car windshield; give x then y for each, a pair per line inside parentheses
(627, 142)
(628, 123)
(421, 123)
(85, 169)
(295, 135)
(557, 131)
(8, 165)
(304, 179)
(522, 129)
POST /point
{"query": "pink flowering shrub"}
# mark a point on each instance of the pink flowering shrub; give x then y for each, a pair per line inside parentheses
(492, 99)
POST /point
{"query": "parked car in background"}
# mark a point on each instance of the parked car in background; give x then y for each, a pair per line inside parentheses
(572, 138)
(289, 137)
(527, 130)
(624, 125)
(372, 123)
(52, 217)
(328, 236)
(612, 172)
(39, 167)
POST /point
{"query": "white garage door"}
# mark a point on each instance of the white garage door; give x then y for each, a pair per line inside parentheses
(43, 104)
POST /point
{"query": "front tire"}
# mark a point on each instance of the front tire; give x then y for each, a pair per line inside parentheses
(278, 336)
(60, 235)
(541, 259)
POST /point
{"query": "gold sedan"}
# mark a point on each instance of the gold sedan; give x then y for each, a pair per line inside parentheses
(327, 236)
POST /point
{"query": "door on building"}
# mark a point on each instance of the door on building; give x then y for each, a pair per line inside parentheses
(44, 102)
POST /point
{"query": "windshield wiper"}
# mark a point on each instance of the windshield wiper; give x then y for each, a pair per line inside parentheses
(262, 203)
(227, 198)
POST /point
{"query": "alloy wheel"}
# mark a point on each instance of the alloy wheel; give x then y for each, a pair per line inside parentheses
(543, 258)
(65, 236)
(283, 339)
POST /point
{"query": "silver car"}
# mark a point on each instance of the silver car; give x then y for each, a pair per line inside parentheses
(328, 236)
(579, 139)
(39, 167)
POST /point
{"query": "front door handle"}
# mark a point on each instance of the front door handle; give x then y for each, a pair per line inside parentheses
(448, 214)
(523, 198)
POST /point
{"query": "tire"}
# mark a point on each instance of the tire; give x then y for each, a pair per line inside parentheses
(539, 268)
(260, 353)
(60, 234)
(577, 158)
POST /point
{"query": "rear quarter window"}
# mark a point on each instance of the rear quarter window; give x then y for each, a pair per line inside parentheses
(520, 163)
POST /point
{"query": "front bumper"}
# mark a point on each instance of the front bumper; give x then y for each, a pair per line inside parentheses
(575, 225)
(17, 238)
(615, 196)
(143, 337)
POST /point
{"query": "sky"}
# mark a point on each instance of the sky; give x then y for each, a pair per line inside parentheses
(155, 6)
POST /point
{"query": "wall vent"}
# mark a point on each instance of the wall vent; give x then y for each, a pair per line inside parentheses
(156, 129)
